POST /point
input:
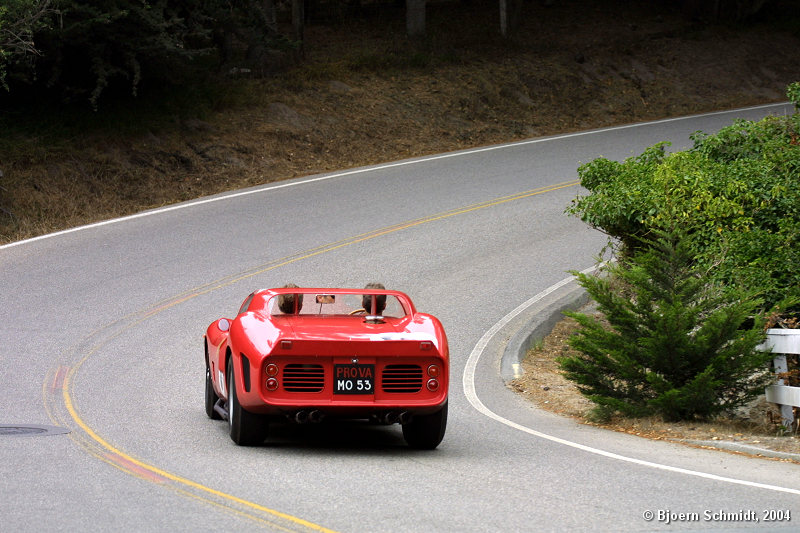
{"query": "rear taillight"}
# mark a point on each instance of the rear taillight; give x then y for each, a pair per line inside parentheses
(433, 372)
(271, 370)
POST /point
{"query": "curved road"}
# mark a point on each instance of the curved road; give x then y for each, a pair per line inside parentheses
(102, 344)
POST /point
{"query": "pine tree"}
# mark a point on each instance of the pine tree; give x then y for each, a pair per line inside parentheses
(677, 345)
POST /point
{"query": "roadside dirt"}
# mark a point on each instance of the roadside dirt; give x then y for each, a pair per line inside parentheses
(753, 430)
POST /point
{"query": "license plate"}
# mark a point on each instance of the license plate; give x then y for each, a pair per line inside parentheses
(354, 379)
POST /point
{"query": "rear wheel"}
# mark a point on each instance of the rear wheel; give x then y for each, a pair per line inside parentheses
(425, 432)
(211, 397)
(246, 428)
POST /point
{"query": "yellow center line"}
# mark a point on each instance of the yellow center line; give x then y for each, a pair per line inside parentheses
(154, 474)
(225, 282)
(379, 233)
(172, 477)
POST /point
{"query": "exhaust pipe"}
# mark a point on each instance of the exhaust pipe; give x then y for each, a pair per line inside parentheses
(301, 417)
(390, 417)
(221, 408)
(315, 416)
(405, 417)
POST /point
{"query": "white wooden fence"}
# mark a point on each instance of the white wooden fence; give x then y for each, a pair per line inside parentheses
(783, 342)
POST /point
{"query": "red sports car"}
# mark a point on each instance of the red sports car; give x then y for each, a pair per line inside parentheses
(306, 354)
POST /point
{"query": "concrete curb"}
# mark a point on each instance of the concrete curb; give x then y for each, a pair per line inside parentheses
(539, 320)
(747, 449)
(537, 323)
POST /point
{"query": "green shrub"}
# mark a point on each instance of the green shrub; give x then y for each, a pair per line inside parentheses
(676, 346)
(685, 308)
(793, 93)
(737, 194)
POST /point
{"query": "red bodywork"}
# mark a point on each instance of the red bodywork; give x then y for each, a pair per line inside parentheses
(329, 359)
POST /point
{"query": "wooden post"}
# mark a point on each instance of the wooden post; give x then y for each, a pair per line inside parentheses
(782, 342)
(787, 411)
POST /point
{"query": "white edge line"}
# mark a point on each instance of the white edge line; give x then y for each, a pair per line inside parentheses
(472, 397)
(269, 188)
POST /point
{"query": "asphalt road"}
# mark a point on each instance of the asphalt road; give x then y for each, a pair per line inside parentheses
(102, 341)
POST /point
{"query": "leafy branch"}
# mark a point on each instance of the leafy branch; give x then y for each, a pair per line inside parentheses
(19, 21)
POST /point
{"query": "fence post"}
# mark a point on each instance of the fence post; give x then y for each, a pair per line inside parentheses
(783, 342)
(787, 411)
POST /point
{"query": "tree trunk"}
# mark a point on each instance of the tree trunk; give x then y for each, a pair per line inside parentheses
(415, 18)
(270, 16)
(504, 18)
(299, 24)
(510, 17)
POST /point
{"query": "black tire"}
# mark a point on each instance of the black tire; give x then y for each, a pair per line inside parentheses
(425, 432)
(211, 397)
(246, 428)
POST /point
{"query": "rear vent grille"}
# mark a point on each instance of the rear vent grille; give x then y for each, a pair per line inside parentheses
(303, 378)
(402, 378)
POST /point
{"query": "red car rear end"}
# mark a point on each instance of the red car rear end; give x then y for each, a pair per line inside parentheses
(327, 354)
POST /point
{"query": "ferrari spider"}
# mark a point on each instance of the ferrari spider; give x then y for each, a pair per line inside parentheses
(306, 355)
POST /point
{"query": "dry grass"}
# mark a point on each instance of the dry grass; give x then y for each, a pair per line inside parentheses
(366, 95)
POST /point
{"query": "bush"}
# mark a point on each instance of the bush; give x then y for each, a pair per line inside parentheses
(793, 93)
(685, 307)
(676, 346)
(737, 194)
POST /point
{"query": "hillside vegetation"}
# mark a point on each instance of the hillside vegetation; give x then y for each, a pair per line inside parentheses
(364, 94)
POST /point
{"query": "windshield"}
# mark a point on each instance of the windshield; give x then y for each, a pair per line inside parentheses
(337, 304)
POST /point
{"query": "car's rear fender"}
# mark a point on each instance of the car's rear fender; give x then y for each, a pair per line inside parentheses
(218, 331)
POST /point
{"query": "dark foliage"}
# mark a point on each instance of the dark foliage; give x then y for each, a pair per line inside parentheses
(677, 345)
(87, 48)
